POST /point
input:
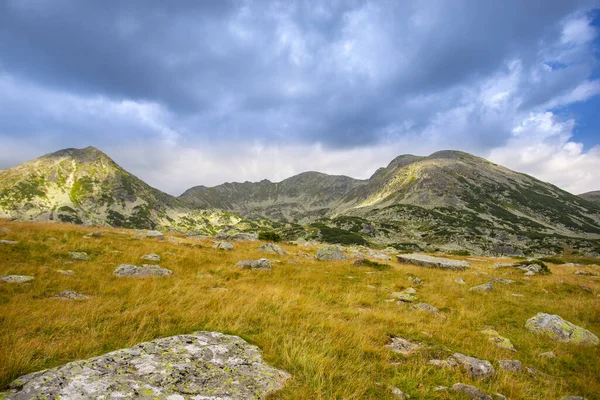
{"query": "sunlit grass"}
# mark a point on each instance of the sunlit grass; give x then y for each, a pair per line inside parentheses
(324, 322)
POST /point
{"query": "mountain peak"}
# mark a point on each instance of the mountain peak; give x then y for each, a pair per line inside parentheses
(87, 154)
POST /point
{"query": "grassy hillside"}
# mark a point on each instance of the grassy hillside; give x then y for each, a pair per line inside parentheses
(326, 323)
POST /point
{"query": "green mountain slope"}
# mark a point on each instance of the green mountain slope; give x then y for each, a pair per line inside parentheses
(593, 197)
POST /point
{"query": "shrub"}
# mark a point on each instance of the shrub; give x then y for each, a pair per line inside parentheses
(269, 236)
(374, 264)
(460, 253)
(553, 260)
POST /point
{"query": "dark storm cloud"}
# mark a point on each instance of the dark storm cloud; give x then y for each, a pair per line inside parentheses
(342, 73)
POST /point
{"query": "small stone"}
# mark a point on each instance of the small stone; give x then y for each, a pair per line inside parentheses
(404, 297)
(16, 278)
(67, 272)
(152, 234)
(498, 396)
(474, 366)
(587, 273)
(440, 388)
(471, 391)
(532, 371)
(79, 255)
(263, 263)
(511, 365)
(548, 355)
(500, 341)
(560, 330)
(502, 280)
(223, 245)
(70, 295)
(449, 363)
(151, 257)
(403, 346)
(93, 235)
(486, 287)
(572, 398)
(517, 295)
(146, 270)
(9, 242)
(587, 289)
(399, 393)
(410, 291)
(303, 254)
(460, 281)
(272, 249)
(415, 280)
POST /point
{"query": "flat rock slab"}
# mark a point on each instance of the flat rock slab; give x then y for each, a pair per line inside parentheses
(202, 365)
(79, 255)
(127, 270)
(151, 257)
(423, 260)
(560, 330)
(16, 278)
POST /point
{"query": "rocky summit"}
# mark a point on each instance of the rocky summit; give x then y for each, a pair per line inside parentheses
(202, 365)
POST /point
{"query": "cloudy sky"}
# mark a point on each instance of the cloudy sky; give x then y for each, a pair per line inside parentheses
(185, 92)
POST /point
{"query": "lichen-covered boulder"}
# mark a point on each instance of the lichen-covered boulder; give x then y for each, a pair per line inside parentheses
(475, 367)
(560, 330)
(272, 248)
(330, 253)
(423, 260)
(222, 245)
(500, 341)
(16, 278)
(202, 365)
(263, 263)
(146, 270)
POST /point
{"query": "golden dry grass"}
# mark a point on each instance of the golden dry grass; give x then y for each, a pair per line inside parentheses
(321, 321)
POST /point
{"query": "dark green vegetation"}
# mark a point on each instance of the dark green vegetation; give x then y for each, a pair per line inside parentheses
(269, 236)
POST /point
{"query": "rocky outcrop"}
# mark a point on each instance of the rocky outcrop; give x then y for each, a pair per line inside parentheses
(560, 330)
(202, 365)
(146, 270)
(423, 260)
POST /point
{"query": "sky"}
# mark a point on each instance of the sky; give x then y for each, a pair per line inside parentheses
(185, 93)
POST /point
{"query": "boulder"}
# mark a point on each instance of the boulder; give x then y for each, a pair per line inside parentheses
(71, 295)
(423, 260)
(151, 257)
(330, 253)
(486, 287)
(403, 346)
(223, 245)
(202, 365)
(263, 263)
(16, 278)
(560, 330)
(500, 341)
(79, 255)
(475, 367)
(511, 365)
(272, 248)
(471, 391)
(146, 270)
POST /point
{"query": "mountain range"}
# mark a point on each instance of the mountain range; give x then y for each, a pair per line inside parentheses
(449, 201)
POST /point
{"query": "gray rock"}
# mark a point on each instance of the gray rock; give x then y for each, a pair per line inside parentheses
(152, 234)
(511, 365)
(486, 287)
(93, 235)
(415, 280)
(71, 295)
(67, 272)
(263, 263)
(79, 255)
(223, 245)
(9, 242)
(151, 257)
(232, 234)
(146, 270)
(581, 272)
(560, 330)
(272, 248)
(498, 396)
(16, 278)
(423, 260)
(471, 391)
(474, 366)
(202, 365)
(460, 281)
(502, 280)
(330, 253)
(503, 265)
(399, 393)
(572, 398)
(547, 354)
(426, 307)
(403, 346)
(449, 363)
